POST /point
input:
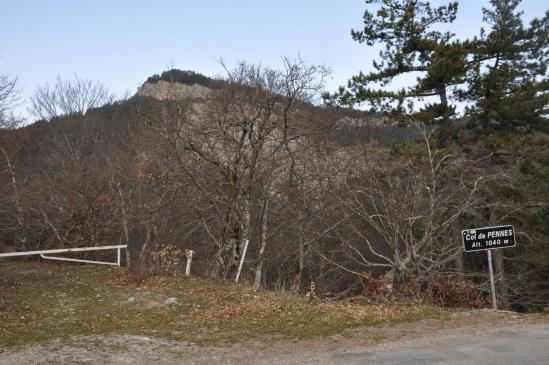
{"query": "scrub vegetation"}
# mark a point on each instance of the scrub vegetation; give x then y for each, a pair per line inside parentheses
(47, 302)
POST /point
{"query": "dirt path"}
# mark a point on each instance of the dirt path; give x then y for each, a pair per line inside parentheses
(345, 348)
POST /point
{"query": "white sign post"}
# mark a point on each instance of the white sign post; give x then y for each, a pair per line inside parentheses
(241, 261)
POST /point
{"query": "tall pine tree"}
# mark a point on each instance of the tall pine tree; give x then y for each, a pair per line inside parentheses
(508, 84)
(411, 46)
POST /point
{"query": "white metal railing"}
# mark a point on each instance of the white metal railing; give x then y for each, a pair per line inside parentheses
(43, 254)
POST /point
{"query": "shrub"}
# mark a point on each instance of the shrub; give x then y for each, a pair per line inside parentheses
(441, 290)
(167, 260)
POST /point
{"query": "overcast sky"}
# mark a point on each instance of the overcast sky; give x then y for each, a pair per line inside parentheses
(122, 42)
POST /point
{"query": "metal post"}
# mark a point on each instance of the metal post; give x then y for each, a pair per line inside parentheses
(118, 256)
(241, 261)
(492, 284)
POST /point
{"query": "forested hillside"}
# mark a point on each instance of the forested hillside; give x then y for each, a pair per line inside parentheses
(370, 185)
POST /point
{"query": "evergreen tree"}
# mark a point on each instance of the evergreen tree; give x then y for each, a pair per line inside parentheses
(508, 84)
(412, 46)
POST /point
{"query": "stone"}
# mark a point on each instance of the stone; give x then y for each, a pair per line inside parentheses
(170, 301)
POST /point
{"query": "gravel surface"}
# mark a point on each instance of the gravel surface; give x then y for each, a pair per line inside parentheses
(524, 344)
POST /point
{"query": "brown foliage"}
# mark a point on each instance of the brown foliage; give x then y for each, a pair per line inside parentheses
(167, 260)
(443, 291)
(372, 287)
(126, 278)
(448, 292)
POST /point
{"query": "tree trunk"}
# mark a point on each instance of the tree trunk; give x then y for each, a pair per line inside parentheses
(227, 244)
(262, 244)
(301, 252)
(125, 226)
(500, 279)
(243, 233)
(19, 236)
(145, 246)
(389, 279)
(446, 130)
(460, 268)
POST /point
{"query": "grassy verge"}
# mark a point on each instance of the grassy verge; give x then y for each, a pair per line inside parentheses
(48, 301)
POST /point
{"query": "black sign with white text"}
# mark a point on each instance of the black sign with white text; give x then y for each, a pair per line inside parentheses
(487, 238)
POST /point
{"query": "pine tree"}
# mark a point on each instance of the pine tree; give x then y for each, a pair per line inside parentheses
(509, 85)
(412, 46)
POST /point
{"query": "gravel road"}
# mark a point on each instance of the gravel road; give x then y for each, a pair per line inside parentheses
(527, 344)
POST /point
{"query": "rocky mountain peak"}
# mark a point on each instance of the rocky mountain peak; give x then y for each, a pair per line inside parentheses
(176, 85)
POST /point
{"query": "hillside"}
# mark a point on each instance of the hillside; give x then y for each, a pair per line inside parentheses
(115, 124)
(327, 195)
(324, 184)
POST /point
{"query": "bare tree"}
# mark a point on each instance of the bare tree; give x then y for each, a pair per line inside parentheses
(16, 197)
(9, 94)
(399, 212)
(68, 97)
(11, 197)
(237, 150)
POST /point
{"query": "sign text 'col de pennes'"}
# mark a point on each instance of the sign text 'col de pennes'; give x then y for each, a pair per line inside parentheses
(487, 238)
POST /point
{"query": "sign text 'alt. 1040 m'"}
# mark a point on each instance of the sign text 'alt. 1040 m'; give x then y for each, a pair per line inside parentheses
(487, 238)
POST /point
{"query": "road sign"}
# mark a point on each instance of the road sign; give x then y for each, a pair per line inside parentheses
(487, 238)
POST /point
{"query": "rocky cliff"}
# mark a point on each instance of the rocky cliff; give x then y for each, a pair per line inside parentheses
(176, 85)
(164, 90)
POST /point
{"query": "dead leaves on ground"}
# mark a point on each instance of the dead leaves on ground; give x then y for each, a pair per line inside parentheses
(125, 278)
(7, 287)
(213, 303)
(80, 300)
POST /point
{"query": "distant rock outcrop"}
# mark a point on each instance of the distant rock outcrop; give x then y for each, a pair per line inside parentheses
(177, 85)
(163, 90)
(366, 120)
(352, 126)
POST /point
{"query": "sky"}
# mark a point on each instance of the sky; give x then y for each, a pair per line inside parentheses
(122, 42)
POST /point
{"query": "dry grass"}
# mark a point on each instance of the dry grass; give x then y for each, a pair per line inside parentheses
(61, 301)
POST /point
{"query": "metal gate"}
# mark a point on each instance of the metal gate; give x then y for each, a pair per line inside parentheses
(45, 254)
